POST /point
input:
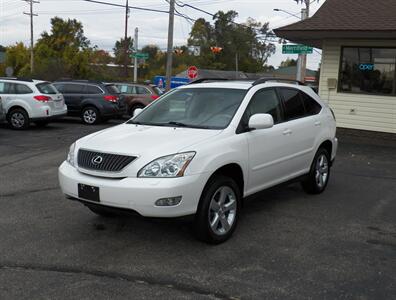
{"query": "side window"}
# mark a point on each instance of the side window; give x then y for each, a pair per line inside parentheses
(2, 88)
(22, 89)
(311, 106)
(132, 89)
(91, 89)
(294, 107)
(265, 101)
(73, 89)
(123, 89)
(142, 90)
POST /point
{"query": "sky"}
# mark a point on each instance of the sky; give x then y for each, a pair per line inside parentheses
(103, 24)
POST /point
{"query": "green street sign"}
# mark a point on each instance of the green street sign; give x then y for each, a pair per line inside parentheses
(140, 55)
(297, 49)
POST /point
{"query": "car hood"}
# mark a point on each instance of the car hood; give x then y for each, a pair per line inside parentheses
(141, 140)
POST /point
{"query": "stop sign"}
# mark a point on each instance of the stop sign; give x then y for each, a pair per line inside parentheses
(192, 72)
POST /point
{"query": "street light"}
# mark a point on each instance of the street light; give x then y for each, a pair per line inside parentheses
(286, 12)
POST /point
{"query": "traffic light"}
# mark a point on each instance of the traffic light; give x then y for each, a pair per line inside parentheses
(216, 50)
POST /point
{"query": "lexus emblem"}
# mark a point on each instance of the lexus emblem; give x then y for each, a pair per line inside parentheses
(97, 160)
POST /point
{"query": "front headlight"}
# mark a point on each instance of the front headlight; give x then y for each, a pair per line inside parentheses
(70, 155)
(167, 166)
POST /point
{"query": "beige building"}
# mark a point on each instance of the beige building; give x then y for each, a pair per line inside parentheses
(358, 69)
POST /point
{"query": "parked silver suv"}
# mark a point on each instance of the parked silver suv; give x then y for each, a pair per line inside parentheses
(26, 100)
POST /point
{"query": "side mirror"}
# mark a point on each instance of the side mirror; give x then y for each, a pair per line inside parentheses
(137, 111)
(261, 121)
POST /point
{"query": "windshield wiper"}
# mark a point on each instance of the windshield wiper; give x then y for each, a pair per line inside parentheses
(179, 124)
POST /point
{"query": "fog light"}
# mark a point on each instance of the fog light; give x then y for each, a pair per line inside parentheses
(171, 201)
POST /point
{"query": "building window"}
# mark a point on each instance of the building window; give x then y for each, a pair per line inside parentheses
(368, 70)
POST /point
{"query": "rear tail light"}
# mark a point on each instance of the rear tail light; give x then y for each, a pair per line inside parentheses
(42, 98)
(154, 97)
(111, 98)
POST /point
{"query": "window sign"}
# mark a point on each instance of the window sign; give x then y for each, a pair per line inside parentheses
(368, 71)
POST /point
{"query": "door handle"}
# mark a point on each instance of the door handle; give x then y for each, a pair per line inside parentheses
(287, 132)
(318, 123)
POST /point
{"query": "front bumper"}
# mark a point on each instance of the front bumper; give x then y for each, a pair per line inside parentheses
(138, 194)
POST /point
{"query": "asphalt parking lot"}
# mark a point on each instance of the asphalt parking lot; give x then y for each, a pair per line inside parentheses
(288, 245)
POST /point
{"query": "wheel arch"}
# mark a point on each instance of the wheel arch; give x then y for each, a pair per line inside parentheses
(232, 170)
(328, 146)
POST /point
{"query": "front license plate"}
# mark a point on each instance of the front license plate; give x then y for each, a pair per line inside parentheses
(88, 192)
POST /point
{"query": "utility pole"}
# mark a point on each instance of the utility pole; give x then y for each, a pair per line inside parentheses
(126, 46)
(31, 14)
(169, 59)
(302, 58)
(135, 73)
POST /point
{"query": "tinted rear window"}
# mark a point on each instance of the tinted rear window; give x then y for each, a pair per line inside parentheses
(294, 107)
(112, 89)
(46, 88)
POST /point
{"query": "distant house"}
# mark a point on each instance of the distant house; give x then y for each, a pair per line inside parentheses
(358, 70)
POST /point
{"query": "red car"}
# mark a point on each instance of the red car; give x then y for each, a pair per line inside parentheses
(138, 95)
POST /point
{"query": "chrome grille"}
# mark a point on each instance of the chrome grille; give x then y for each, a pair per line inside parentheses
(99, 161)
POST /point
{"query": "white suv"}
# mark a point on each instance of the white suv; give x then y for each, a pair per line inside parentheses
(26, 100)
(201, 149)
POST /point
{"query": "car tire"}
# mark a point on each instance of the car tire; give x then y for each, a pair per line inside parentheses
(135, 107)
(41, 123)
(218, 210)
(90, 115)
(18, 119)
(100, 211)
(319, 174)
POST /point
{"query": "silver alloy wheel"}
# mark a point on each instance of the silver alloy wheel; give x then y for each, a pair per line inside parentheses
(89, 116)
(222, 210)
(321, 170)
(17, 120)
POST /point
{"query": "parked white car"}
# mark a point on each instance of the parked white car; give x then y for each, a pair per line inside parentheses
(26, 101)
(201, 149)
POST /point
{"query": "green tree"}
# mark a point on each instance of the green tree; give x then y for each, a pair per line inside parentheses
(63, 52)
(119, 50)
(244, 42)
(289, 62)
(18, 57)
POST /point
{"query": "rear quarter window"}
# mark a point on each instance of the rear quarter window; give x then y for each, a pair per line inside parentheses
(312, 107)
(46, 88)
(91, 89)
(294, 107)
(112, 89)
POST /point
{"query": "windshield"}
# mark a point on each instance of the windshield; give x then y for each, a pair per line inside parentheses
(211, 108)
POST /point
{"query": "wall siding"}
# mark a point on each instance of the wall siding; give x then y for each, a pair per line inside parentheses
(370, 112)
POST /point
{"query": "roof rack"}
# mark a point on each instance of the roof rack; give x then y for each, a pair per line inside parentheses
(209, 79)
(17, 79)
(79, 80)
(265, 79)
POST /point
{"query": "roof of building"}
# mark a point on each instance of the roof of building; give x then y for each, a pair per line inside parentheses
(337, 19)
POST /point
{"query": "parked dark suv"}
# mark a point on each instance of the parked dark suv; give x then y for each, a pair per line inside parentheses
(93, 101)
(138, 95)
